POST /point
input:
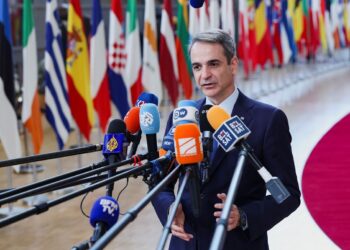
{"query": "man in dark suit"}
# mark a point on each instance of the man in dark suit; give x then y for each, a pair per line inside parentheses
(214, 65)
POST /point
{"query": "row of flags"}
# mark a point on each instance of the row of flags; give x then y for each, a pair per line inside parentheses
(95, 72)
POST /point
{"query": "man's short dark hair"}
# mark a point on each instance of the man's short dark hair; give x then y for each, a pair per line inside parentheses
(216, 36)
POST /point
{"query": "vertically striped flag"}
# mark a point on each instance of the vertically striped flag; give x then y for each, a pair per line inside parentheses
(77, 65)
(31, 115)
(322, 28)
(133, 68)
(120, 94)
(182, 40)
(56, 99)
(347, 21)
(167, 53)
(150, 68)
(9, 135)
(262, 34)
(98, 67)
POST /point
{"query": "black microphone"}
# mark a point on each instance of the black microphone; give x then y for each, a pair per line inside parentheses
(150, 123)
(114, 146)
(196, 3)
(189, 153)
(207, 141)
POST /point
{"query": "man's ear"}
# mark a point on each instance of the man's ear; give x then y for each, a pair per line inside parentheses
(234, 64)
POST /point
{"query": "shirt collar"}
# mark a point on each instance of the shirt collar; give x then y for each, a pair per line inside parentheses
(228, 103)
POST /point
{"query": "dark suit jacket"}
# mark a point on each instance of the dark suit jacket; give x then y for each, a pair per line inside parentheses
(270, 139)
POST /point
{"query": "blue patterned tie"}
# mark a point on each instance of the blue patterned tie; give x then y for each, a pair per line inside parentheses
(215, 147)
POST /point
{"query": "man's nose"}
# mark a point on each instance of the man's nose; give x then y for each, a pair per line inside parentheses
(206, 73)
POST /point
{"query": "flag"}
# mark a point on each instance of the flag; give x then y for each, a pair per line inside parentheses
(77, 65)
(204, 20)
(9, 135)
(98, 67)
(31, 115)
(262, 34)
(275, 26)
(194, 23)
(150, 67)
(321, 20)
(56, 99)
(167, 54)
(120, 94)
(182, 39)
(243, 41)
(329, 28)
(251, 34)
(287, 36)
(133, 68)
(347, 21)
(214, 13)
(227, 17)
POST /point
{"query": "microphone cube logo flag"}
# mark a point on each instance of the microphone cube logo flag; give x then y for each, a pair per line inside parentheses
(149, 118)
(182, 115)
(240, 130)
(230, 133)
(224, 136)
(188, 146)
(109, 206)
(113, 144)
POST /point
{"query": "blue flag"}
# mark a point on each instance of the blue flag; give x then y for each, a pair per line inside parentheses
(56, 99)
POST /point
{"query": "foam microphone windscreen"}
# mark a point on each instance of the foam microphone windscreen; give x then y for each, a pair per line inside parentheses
(146, 97)
(186, 103)
(105, 210)
(114, 138)
(132, 120)
(196, 3)
(149, 119)
(216, 116)
(203, 119)
(188, 146)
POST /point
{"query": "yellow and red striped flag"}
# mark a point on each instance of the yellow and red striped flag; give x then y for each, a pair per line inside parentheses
(77, 66)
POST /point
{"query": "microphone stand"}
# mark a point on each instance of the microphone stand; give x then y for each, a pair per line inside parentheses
(132, 213)
(207, 149)
(52, 155)
(43, 207)
(172, 213)
(60, 183)
(218, 240)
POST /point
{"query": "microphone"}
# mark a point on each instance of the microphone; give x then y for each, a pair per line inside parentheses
(143, 98)
(186, 112)
(196, 3)
(150, 123)
(146, 97)
(233, 132)
(168, 142)
(207, 141)
(114, 147)
(132, 123)
(188, 150)
(103, 215)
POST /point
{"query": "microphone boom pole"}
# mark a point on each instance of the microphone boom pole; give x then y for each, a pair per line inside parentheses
(218, 240)
(43, 207)
(132, 213)
(63, 182)
(172, 213)
(52, 155)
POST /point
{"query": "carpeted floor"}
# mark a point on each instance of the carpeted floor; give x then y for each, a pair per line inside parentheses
(326, 183)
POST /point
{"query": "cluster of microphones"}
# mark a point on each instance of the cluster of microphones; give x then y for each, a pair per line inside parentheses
(187, 148)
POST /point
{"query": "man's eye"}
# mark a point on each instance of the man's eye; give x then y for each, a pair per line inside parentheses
(214, 64)
(196, 67)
